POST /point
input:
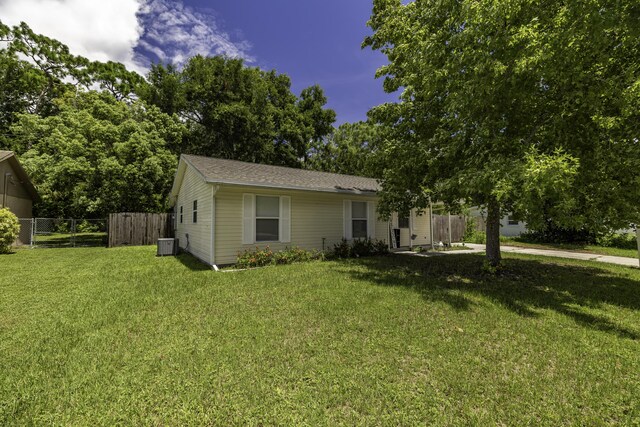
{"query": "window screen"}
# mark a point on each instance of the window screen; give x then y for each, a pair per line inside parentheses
(359, 219)
(267, 219)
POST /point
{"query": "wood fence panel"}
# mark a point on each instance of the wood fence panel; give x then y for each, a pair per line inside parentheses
(138, 229)
(441, 228)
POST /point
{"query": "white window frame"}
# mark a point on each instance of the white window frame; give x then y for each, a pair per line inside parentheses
(194, 213)
(365, 219)
(256, 218)
(512, 221)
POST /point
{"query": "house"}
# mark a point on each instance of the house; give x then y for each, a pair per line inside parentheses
(510, 225)
(16, 190)
(224, 207)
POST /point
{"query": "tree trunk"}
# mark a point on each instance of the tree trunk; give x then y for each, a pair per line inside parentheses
(493, 232)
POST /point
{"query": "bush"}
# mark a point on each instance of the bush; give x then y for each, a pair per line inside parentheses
(618, 240)
(359, 248)
(479, 237)
(263, 257)
(341, 250)
(9, 230)
(87, 227)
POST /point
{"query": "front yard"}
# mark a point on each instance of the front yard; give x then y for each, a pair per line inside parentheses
(98, 336)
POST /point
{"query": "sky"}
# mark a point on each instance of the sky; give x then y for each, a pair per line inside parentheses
(312, 41)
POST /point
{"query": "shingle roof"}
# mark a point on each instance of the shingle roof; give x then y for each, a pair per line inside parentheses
(253, 174)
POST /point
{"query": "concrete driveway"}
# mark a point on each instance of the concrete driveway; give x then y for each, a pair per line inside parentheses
(475, 248)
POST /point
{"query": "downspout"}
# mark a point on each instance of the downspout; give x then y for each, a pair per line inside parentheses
(214, 190)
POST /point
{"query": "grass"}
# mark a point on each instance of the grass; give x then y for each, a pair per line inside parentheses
(97, 336)
(62, 240)
(574, 247)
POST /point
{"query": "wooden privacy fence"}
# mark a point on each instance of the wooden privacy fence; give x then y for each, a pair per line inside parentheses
(441, 228)
(138, 229)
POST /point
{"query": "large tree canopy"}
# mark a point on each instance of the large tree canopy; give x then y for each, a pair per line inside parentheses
(239, 112)
(348, 150)
(519, 105)
(99, 155)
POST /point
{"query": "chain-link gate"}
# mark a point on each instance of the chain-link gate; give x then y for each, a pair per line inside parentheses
(62, 232)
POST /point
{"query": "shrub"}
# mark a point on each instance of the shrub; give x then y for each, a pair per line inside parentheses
(9, 229)
(359, 248)
(263, 257)
(479, 237)
(87, 227)
(618, 240)
(342, 249)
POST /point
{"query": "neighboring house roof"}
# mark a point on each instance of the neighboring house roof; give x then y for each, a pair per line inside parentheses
(222, 171)
(21, 174)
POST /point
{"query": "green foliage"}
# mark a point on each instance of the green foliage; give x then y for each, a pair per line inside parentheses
(359, 248)
(99, 155)
(529, 106)
(618, 240)
(238, 112)
(9, 230)
(263, 257)
(35, 70)
(347, 150)
(469, 228)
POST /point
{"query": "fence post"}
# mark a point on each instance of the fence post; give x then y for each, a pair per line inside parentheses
(31, 242)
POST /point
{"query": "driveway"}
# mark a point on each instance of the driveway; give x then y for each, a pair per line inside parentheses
(475, 248)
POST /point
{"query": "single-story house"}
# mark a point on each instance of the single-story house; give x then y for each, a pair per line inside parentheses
(223, 207)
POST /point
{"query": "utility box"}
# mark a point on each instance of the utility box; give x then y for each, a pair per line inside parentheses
(167, 247)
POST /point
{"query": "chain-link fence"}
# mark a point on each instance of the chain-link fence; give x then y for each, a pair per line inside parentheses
(62, 232)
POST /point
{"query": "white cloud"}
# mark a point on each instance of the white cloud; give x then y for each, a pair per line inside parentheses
(174, 32)
(98, 30)
(113, 29)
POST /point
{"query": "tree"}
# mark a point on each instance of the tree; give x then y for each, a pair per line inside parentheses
(99, 155)
(238, 112)
(529, 107)
(35, 70)
(347, 150)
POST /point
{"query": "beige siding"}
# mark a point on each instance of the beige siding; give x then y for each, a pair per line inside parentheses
(195, 188)
(314, 216)
(17, 199)
(421, 228)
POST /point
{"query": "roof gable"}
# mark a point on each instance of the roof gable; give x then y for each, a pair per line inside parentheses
(10, 156)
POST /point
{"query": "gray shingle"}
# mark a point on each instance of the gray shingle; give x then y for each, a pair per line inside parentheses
(253, 174)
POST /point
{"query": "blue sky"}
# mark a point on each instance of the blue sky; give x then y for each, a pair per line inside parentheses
(313, 41)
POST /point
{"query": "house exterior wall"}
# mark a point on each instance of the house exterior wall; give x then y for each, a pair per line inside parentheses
(17, 199)
(421, 228)
(314, 216)
(510, 230)
(199, 242)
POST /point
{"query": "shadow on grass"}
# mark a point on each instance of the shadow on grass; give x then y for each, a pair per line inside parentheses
(191, 262)
(525, 287)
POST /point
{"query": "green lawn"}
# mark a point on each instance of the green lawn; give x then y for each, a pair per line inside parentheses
(591, 249)
(97, 336)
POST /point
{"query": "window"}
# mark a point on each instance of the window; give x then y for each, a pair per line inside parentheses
(267, 219)
(403, 222)
(195, 211)
(181, 211)
(512, 220)
(359, 219)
